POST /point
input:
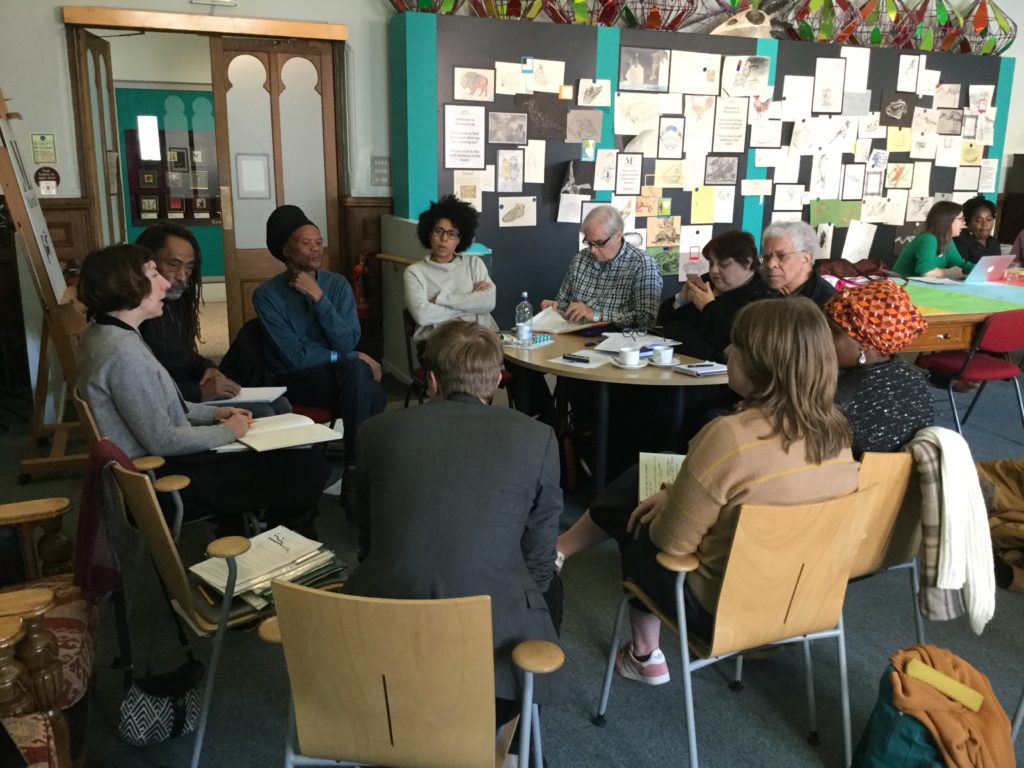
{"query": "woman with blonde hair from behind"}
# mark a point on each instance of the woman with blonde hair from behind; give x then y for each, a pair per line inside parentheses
(788, 443)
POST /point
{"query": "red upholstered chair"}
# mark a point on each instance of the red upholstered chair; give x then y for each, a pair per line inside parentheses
(987, 360)
(319, 415)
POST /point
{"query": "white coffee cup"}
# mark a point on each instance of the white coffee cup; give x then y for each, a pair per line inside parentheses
(662, 354)
(629, 356)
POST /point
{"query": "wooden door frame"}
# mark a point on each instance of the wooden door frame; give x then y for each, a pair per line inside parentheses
(324, 54)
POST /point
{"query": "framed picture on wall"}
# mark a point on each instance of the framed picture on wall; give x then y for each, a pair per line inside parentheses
(148, 179)
(177, 158)
(201, 208)
(175, 207)
(149, 207)
(644, 69)
(177, 181)
(253, 174)
(200, 180)
(197, 157)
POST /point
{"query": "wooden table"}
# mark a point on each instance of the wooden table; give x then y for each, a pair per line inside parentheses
(540, 359)
(954, 312)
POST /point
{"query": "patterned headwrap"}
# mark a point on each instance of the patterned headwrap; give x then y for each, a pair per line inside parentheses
(879, 315)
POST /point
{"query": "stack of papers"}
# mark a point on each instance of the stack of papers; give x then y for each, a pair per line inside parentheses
(550, 320)
(706, 368)
(253, 395)
(279, 553)
(656, 470)
(287, 430)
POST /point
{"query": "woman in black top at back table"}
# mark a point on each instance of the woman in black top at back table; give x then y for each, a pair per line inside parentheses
(701, 314)
(885, 400)
(977, 240)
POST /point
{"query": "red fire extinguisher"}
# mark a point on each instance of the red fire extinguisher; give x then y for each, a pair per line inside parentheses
(360, 287)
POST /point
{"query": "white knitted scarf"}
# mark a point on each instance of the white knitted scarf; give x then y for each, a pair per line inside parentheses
(965, 544)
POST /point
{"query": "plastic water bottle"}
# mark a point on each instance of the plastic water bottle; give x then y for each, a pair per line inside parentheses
(524, 321)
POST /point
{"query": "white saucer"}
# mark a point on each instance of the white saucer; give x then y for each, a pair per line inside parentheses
(617, 364)
(675, 361)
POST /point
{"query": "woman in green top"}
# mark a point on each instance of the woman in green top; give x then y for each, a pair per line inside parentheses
(933, 253)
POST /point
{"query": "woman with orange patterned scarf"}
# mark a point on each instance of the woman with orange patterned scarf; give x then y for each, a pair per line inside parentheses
(884, 399)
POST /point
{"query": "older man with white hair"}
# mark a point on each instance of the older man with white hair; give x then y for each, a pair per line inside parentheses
(787, 259)
(609, 280)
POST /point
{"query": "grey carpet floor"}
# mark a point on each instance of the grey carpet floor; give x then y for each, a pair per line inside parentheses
(764, 725)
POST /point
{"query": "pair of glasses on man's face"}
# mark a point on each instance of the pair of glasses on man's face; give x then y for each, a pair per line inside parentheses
(441, 233)
(597, 243)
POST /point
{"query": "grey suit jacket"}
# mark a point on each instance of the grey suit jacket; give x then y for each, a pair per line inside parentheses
(463, 499)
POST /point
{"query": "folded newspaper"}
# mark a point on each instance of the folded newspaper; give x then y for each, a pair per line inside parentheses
(279, 553)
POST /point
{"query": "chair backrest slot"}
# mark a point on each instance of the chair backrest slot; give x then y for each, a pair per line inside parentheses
(787, 570)
(389, 682)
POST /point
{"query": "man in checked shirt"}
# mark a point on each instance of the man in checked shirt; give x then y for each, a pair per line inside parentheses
(610, 280)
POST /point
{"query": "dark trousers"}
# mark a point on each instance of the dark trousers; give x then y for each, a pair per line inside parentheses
(286, 484)
(610, 510)
(346, 389)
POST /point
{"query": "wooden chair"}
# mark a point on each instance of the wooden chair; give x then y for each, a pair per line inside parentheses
(31, 676)
(417, 376)
(784, 583)
(398, 682)
(203, 617)
(893, 534)
(57, 637)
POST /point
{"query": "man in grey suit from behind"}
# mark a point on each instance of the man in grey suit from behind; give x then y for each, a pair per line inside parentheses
(463, 498)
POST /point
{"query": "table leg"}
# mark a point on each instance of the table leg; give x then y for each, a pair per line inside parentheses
(678, 403)
(601, 436)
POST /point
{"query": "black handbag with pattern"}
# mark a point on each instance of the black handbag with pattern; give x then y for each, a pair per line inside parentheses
(160, 707)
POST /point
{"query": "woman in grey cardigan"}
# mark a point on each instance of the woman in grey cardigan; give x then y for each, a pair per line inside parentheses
(137, 405)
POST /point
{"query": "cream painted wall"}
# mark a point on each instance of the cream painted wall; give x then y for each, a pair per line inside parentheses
(158, 57)
(40, 89)
(34, 72)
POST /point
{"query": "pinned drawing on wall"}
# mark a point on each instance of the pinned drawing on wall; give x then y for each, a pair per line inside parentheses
(644, 69)
(604, 170)
(971, 153)
(473, 84)
(466, 187)
(853, 181)
(745, 75)
(647, 201)
(506, 128)
(534, 161)
(898, 139)
(906, 73)
(582, 125)
(721, 170)
(918, 207)
(789, 197)
(547, 76)
(926, 120)
(670, 174)
(670, 137)
(730, 124)
(899, 175)
(663, 232)
(636, 112)
(871, 127)
(517, 211)
(546, 115)
(829, 76)
(594, 93)
(967, 178)
(510, 170)
(699, 112)
(950, 122)
(696, 73)
(826, 175)
(946, 96)
(897, 109)
(508, 78)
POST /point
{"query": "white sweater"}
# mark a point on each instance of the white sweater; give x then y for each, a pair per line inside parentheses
(436, 293)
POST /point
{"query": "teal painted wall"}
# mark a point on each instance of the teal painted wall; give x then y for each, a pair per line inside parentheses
(132, 102)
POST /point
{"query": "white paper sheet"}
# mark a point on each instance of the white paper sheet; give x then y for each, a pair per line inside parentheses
(906, 73)
(989, 172)
(508, 78)
(858, 62)
(628, 173)
(534, 160)
(604, 170)
(829, 74)
(797, 96)
(464, 136)
(657, 469)
(967, 178)
(730, 124)
(517, 211)
(547, 76)
(859, 238)
(699, 112)
(922, 184)
(636, 112)
(918, 207)
(947, 96)
(594, 359)
(692, 72)
(594, 93)
(756, 187)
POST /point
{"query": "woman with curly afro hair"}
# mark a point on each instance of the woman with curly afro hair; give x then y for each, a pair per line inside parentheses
(448, 284)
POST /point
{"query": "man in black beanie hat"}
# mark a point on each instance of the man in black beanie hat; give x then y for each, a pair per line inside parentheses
(309, 317)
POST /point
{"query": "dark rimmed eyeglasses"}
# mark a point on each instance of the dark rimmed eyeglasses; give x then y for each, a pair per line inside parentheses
(441, 232)
(597, 243)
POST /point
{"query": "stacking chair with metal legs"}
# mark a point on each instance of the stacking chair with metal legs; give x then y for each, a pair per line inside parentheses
(399, 682)
(141, 502)
(784, 583)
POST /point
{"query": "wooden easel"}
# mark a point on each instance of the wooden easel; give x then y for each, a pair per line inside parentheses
(62, 320)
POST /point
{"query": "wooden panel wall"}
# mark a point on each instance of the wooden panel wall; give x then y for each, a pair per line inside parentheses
(361, 232)
(69, 220)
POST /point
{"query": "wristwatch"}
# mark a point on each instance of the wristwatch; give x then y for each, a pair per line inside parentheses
(597, 315)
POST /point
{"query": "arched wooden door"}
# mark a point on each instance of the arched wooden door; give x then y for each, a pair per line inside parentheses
(276, 99)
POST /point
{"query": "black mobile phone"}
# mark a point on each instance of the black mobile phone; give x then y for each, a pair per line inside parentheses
(576, 358)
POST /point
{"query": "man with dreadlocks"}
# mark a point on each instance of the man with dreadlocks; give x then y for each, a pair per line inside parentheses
(174, 336)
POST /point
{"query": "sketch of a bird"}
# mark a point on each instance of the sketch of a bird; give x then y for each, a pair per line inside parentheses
(761, 105)
(592, 92)
(699, 108)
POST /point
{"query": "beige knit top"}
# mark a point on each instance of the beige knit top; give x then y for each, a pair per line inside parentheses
(732, 462)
